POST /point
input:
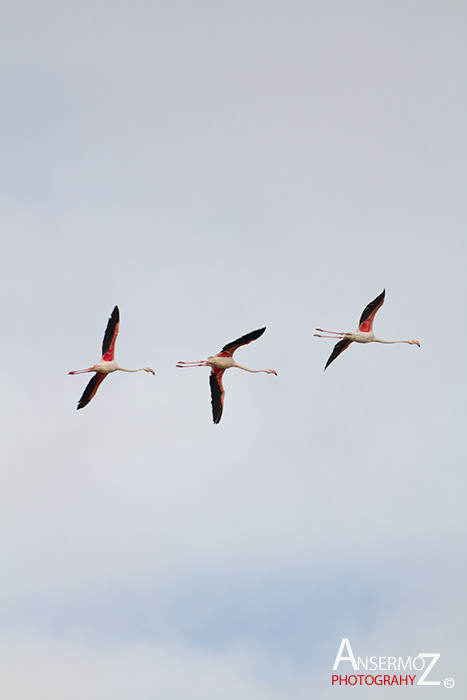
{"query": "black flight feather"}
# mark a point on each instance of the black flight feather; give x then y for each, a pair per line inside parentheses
(216, 397)
(245, 339)
(90, 390)
(338, 348)
(110, 330)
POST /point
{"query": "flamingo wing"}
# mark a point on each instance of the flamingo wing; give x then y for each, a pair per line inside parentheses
(338, 348)
(229, 349)
(91, 389)
(369, 312)
(110, 337)
(217, 393)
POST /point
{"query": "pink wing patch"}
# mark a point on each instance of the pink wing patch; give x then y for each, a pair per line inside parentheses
(109, 355)
(367, 325)
(369, 312)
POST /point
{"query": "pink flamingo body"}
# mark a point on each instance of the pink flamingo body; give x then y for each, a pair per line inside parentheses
(107, 363)
(364, 334)
(219, 363)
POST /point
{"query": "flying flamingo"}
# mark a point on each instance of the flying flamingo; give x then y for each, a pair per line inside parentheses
(219, 363)
(365, 331)
(107, 363)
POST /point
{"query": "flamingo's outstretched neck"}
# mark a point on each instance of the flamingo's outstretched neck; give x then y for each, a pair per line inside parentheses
(268, 371)
(140, 369)
(392, 342)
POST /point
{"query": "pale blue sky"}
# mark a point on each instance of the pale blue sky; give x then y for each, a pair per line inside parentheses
(212, 168)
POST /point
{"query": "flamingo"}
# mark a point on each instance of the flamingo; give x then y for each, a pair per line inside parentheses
(219, 363)
(365, 331)
(107, 363)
